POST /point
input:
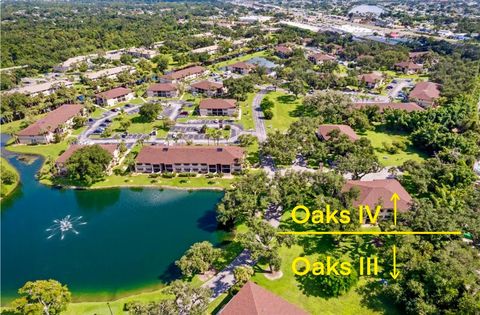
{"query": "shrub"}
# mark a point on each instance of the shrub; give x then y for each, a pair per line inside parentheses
(268, 114)
(168, 175)
(187, 174)
(227, 127)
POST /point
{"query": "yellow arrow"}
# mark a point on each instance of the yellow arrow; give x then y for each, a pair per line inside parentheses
(395, 198)
(395, 273)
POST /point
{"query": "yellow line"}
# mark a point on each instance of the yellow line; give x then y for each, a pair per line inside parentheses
(371, 233)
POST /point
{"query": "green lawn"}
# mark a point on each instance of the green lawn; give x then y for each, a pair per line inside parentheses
(6, 189)
(386, 159)
(246, 106)
(15, 126)
(285, 104)
(177, 182)
(290, 289)
(52, 150)
(137, 125)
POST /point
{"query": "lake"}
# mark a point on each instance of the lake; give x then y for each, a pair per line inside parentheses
(115, 240)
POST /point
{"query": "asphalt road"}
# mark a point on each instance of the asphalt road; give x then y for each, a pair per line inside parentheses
(258, 118)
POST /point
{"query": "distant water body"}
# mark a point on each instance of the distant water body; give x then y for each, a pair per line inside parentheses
(128, 238)
(365, 8)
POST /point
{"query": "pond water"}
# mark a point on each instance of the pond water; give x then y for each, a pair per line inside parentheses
(365, 8)
(111, 241)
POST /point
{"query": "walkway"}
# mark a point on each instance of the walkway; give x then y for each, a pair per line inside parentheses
(225, 279)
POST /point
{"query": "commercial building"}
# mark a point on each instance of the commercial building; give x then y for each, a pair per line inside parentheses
(190, 159)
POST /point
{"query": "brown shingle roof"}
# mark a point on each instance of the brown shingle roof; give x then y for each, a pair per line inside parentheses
(52, 120)
(114, 93)
(416, 54)
(322, 57)
(217, 103)
(408, 65)
(379, 191)
(180, 74)
(162, 87)
(324, 131)
(283, 49)
(409, 107)
(242, 65)
(255, 300)
(110, 148)
(370, 77)
(207, 85)
(190, 154)
(426, 91)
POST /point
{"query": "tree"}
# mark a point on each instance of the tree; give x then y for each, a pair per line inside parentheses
(359, 160)
(246, 140)
(249, 194)
(239, 88)
(162, 62)
(281, 148)
(79, 121)
(436, 280)
(126, 59)
(125, 123)
(297, 87)
(47, 297)
(242, 275)
(149, 111)
(8, 176)
(331, 285)
(199, 258)
(88, 164)
(262, 241)
(186, 300)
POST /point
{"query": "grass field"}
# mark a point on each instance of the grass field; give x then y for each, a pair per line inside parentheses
(137, 125)
(7, 189)
(289, 288)
(285, 104)
(378, 137)
(15, 126)
(246, 106)
(52, 150)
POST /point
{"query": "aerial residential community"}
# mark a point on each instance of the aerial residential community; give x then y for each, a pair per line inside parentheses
(240, 157)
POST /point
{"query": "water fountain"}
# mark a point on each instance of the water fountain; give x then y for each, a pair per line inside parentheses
(65, 225)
